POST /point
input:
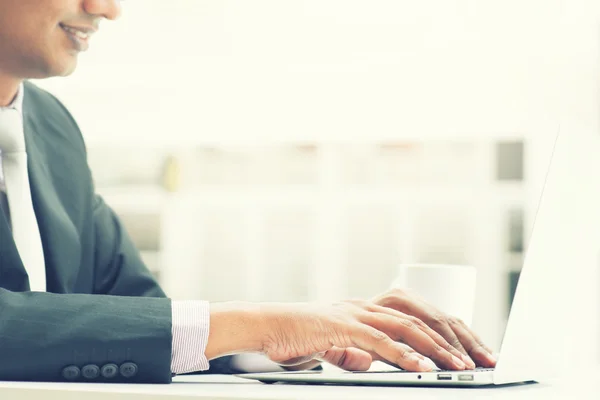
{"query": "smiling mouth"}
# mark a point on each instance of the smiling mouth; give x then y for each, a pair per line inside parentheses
(78, 32)
(79, 36)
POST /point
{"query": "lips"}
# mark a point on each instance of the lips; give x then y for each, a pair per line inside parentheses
(79, 35)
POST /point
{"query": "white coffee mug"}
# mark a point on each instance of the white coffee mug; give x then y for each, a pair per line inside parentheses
(449, 288)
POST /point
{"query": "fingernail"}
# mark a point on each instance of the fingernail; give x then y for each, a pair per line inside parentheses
(458, 362)
(468, 360)
(425, 366)
(491, 358)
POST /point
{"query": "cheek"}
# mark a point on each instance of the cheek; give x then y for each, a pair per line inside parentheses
(38, 43)
(28, 33)
(45, 53)
(31, 40)
(24, 18)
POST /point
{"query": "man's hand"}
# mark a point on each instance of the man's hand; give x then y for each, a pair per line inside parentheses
(347, 334)
(452, 329)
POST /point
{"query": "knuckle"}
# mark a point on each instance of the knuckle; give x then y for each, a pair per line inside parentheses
(478, 347)
(481, 344)
(455, 321)
(408, 324)
(438, 319)
(448, 347)
(437, 349)
(405, 355)
(455, 343)
(391, 298)
(370, 306)
(377, 336)
(418, 322)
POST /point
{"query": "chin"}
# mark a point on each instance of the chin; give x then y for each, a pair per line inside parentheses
(68, 71)
(66, 67)
(57, 65)
(51, 70)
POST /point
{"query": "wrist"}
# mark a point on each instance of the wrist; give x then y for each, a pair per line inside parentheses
(235, 327)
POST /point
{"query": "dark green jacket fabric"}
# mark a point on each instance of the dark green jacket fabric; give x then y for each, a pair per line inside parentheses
(103, 307)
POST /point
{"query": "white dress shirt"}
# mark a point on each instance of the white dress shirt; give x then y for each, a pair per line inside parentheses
(190, 319)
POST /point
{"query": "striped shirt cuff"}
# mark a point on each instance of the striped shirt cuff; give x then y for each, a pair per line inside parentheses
(191, 323)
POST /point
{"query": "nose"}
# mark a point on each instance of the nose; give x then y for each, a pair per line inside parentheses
(109, 9)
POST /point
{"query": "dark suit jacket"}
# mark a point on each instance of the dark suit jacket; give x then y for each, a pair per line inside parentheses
(103, 307)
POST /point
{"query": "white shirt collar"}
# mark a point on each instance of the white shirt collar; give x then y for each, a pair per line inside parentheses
(17, 102)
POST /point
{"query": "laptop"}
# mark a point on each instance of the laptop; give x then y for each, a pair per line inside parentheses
(532, 343)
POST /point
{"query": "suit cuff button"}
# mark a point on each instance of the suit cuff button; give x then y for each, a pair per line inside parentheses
(129, 370)
(109, 371)
(90, 372)
(71, 373)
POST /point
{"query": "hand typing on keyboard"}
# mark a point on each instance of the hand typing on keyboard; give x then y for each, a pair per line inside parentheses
(455, 332)
(348, 334)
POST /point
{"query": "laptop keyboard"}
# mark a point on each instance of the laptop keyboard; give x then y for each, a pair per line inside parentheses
(434, 371)
(471, 370)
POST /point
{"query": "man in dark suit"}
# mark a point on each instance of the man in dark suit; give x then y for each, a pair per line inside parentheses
(77, 302)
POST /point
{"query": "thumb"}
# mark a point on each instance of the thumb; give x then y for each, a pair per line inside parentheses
(350, 358)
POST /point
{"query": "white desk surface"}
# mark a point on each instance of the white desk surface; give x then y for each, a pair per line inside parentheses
(582, 385)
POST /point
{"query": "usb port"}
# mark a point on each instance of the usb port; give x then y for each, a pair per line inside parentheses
(465, 377)
(444, 377)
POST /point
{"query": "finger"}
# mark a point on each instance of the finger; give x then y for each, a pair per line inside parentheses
(477, 337)
(374, 341)
(417, 307)
(350, 358)
(439, 323)
(439, 339)
(403, 329)
(477, 350)
(376, 357)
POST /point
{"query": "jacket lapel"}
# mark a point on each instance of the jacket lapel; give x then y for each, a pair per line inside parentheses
(60, 241)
